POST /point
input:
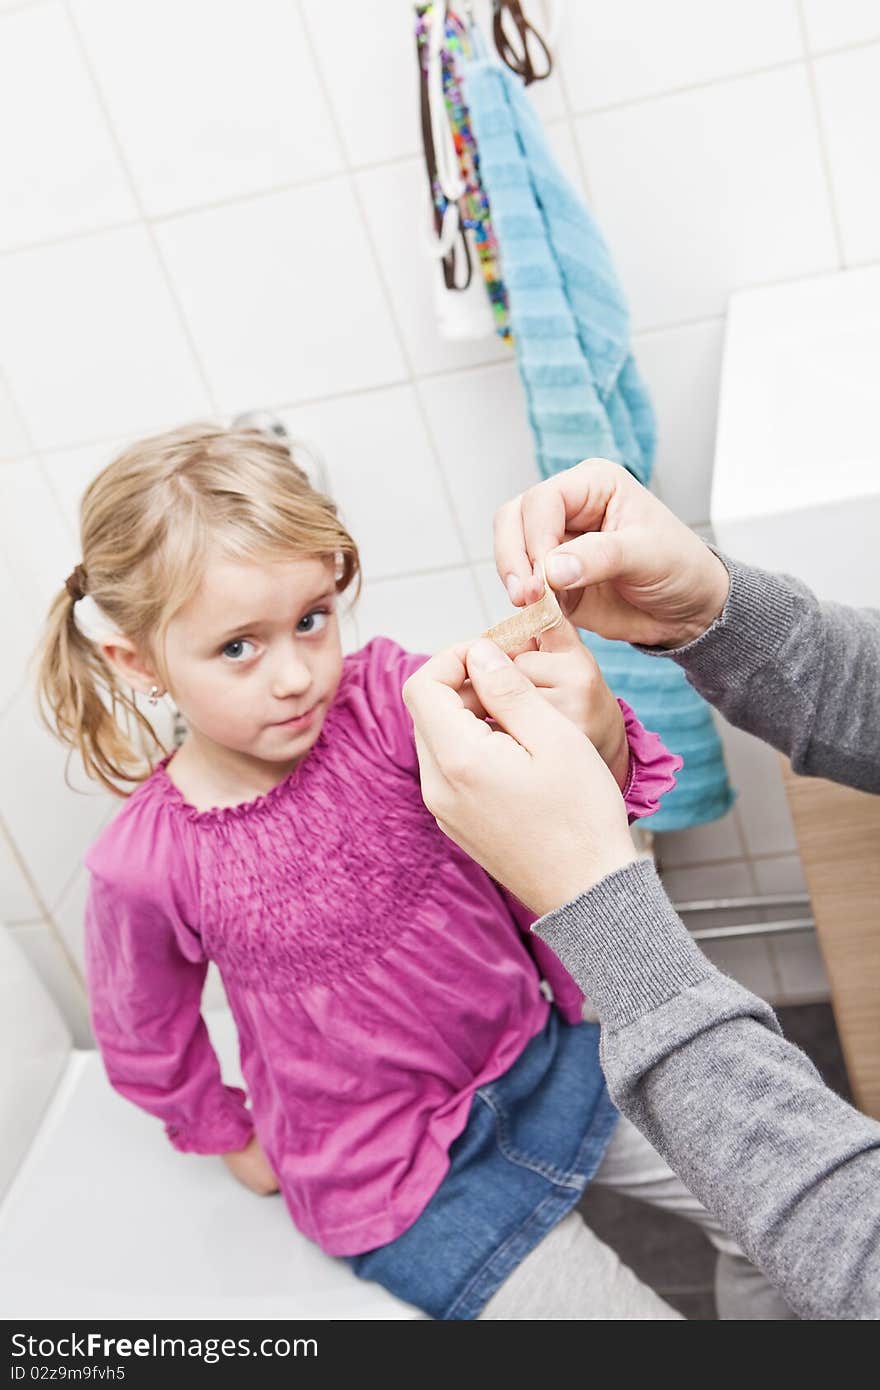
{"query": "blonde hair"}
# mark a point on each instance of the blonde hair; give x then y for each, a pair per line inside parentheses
(147, 523)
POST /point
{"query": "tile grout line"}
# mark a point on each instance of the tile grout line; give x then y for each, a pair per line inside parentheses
(23, 5)
(412, 378)
(837, 49)
(25, 248)
(685, 89)
(824, 153)
(198, 209)
(717, 863)
(128, 174)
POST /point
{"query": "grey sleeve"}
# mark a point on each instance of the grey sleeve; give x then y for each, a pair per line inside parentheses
(698, 1064)
(800, 674)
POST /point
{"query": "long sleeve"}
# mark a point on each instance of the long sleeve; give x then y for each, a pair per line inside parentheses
(698, 1063)
(652, 767)
(382, 669)
(145, 987)
(800, 674)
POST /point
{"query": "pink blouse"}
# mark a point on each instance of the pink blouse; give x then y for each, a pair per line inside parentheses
(377, 975)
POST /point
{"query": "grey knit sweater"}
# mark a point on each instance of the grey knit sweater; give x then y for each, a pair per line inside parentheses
(696, 1061)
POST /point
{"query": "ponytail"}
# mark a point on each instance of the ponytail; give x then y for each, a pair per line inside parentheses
(82, 702)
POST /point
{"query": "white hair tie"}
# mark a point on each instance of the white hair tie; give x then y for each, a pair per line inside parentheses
(92, 621)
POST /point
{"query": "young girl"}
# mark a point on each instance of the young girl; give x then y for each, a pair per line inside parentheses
(421, 1107)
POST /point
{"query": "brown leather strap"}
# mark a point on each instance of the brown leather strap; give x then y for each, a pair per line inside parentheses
(522, 62)
(450, 260)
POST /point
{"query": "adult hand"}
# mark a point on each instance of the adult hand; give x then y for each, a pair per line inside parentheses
(624, 565)
(531, 800)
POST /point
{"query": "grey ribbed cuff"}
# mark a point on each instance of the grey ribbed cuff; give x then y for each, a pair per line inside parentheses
(750, 630)
(624, 944)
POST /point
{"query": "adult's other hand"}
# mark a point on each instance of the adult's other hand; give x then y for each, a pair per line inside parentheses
(625, 567)
(531, 799)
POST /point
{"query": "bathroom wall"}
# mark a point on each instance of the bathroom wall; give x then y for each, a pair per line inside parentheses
(212, 205)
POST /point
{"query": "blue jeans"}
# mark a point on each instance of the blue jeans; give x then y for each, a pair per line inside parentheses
(533, 1140)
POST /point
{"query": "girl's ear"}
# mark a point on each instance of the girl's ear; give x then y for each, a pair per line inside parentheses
(125, 659)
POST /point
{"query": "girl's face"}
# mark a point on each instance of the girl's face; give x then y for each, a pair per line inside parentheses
(254, 658)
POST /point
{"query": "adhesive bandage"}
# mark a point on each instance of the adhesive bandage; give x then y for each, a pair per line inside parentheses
(514, 634)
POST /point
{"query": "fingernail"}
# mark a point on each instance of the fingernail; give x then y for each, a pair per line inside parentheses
(486, 656)
(514, 588)
(563, 570)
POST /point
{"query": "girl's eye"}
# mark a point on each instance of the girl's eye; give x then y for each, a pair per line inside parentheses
(313, 622)
(236, 650)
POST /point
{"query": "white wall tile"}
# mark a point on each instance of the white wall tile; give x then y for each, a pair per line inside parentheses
(705, 531)
(709, 190)
(349, 631)
(58, 164)
(747, 960)
(369, 66)
(282, 297)
(49, 961)
(397, 209)
(35, 540)
(480, 427)
(493, 592)
(51, 825)
(637, 48)
(849, 98)
(385, 479)
(71, 470)
(801, 968)
(719, 839)
(783, 874)
(682, 369)
(833, 23)
(704, 881)
(36, 555)
(211, 98)
(17, 901)
(761, 802)
(13, 439)
(92, 341)
(423, 613)
(23, 614)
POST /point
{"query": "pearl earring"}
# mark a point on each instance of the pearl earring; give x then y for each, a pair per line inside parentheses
(153, 697)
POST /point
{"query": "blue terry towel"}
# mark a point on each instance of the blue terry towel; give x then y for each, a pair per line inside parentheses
(584, 393)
